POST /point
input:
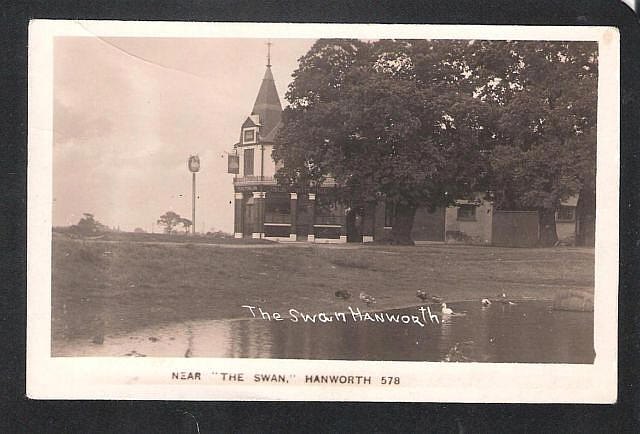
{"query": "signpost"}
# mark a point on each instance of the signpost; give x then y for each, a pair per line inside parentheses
(194, 167)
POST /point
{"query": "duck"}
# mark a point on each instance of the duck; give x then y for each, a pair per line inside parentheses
(369, 299)
(422, 295)
(485, 302)
(446, 310)
(436, 299)
(343, 294)
(502, 298)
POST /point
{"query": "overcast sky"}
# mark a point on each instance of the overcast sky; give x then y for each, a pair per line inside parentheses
(129, 111)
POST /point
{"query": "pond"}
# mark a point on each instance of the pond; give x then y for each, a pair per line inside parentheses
(527, 332)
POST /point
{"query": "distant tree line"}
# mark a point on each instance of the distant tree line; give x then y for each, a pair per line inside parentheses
(170, 221)
(86, 226)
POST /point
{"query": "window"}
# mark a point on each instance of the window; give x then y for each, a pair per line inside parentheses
(466, 212)
(326, 205)
(248, 162)
(566, 213)
(278, 203)
(389, 212)
(249, 136)
(327, 211)
(278, 208)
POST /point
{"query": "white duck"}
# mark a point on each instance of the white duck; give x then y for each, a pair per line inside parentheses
(446, 310)
(485, 302)
(368, 299)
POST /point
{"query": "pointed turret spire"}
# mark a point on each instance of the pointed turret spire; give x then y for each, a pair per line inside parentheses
(267, 104)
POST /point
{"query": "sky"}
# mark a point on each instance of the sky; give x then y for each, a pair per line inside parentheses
(128, 112)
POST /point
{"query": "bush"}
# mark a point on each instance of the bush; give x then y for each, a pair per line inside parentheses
(89, 226)
(219, 234)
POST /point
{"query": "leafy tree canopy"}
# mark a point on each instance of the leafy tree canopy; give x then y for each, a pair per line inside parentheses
(186, 224)
(423, 123)
(88, 225)
(546, 147)
(170, 220)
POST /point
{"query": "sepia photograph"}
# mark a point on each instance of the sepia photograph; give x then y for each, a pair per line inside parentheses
(347, 198)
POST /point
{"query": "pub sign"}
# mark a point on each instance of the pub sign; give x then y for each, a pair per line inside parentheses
(194, 163)
(233, 164)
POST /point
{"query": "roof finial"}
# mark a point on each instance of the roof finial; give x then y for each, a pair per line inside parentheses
(269, 44)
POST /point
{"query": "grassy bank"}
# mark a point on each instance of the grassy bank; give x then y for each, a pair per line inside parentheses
(106, 287)
(179, 238)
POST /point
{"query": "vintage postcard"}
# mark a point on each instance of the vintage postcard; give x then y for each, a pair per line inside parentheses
(224, 211)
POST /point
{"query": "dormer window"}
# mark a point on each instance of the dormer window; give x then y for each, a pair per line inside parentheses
(249, 136)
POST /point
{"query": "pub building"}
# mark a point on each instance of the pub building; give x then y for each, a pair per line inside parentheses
(264, 209)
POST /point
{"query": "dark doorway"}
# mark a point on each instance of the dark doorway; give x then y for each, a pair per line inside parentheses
(354, 225)
(303, 218)
(247, 220)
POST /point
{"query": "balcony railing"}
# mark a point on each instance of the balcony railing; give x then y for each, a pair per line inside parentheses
(255, 180)
(270, 180)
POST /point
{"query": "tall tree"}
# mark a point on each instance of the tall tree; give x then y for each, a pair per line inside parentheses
(358, 114)
(170, 220)
(423, 123)
(546, 147)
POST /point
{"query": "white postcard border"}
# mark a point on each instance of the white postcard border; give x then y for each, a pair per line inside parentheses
(150, 378)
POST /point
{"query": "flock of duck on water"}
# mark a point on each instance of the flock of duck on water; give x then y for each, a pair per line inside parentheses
(425, 297)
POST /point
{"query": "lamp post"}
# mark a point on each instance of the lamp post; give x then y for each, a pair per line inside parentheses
(194, 167)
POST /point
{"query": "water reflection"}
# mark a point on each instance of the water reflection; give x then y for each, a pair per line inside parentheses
(527, 332)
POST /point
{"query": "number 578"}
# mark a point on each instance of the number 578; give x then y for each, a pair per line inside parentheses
(390, 380)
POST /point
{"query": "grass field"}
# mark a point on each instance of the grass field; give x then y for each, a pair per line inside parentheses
(175, 238)
(104, 287)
